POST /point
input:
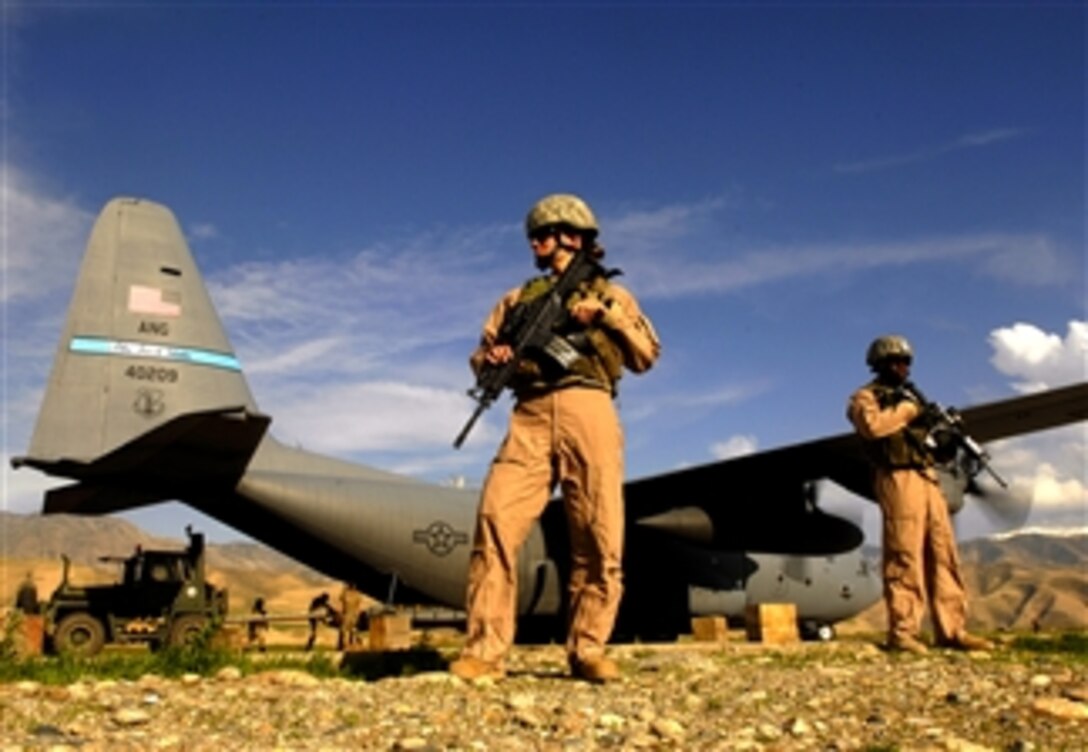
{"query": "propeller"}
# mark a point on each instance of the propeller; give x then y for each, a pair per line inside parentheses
(1004, 507)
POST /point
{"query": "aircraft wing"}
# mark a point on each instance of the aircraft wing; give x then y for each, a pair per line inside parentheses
(766, 496)
(1035, 412)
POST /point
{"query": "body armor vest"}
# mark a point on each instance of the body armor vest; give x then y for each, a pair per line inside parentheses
(600, 363)
(904, 449)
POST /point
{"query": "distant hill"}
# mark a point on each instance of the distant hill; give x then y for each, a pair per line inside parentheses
(1019, 581)
(1027, 579)
(84, 539)
(1014, 581)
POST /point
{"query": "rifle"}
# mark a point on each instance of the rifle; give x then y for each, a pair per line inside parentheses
(530, 328)
(945, 426)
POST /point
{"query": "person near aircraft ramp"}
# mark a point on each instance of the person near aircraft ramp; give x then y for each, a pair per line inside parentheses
(919, 545)
(351, 608)
(564, 431)
(258, 626)
(26, 597)
(321, 612)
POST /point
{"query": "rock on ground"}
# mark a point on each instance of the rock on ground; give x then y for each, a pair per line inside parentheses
(846, 695)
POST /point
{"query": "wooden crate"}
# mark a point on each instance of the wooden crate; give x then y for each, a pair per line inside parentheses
(772, 623)
(229, 637)
(708, 628)
(390, 631)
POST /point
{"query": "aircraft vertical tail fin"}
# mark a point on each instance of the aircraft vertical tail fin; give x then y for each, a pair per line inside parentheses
(142, 348)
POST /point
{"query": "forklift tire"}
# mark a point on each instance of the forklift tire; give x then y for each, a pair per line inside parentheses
(79, 634)
(186, 630)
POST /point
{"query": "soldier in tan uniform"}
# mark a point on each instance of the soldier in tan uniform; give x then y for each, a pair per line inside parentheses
(919, 546)
(564, 430)
(258, 626)
(351, 608)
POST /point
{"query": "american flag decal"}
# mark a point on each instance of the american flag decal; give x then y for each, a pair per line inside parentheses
(154, 301)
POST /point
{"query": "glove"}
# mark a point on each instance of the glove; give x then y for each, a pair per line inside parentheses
(614, 315)
(901, 394)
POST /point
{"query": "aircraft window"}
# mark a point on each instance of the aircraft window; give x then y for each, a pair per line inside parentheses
(846, 592)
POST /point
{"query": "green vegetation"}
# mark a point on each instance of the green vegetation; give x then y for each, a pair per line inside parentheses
(170, 662)
(205, 657)
(201, 656)
(1066, 644)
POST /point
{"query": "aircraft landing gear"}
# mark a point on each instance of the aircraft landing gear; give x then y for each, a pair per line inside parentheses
(817, 631)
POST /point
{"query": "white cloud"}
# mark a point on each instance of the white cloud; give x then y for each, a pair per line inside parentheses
(295, 357)
(1050, 469)
(371, 416)
(926, 153)
(203, 231)
(734, 446)
(698, 402)
(347, 315)
(1040, 359)
(670, 275)
(23, 490)
(39, 233)
(1051, 491)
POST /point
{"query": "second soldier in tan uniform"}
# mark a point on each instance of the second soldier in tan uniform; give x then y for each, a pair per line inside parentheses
(564, 430)
(351, 608)
(919, 546)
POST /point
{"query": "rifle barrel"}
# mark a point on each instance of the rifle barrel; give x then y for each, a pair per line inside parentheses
(480, 407)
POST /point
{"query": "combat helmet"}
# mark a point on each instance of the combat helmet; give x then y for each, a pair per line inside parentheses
(561, 209)
(888, 346)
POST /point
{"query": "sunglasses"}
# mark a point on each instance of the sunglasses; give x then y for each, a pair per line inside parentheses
(541, 234)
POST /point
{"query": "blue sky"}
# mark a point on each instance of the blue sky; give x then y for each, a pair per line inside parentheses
(780, 183)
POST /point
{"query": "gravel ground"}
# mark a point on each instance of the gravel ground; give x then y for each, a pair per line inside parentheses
(846, 695)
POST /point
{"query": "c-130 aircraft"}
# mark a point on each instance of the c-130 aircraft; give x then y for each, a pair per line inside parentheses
(147, 403)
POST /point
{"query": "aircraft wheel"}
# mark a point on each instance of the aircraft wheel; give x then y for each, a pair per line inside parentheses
(186, 630)
(818, 631)
(79, 634)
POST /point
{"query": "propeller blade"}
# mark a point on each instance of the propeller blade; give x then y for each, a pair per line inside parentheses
(1007, 508)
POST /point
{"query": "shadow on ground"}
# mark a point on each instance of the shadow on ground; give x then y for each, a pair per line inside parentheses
(381, 665)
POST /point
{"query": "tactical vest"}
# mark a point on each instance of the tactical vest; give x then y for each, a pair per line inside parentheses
(903, 449)
(600, 364)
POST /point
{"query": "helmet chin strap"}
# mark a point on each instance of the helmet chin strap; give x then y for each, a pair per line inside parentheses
(544, 263)
(888, 376)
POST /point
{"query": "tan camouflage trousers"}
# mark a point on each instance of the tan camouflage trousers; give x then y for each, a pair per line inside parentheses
(571, 437)
(920, 556)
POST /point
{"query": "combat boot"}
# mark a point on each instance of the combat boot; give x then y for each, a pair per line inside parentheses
(597, 670)
(907, 644)
(471, 668)
(967, 641)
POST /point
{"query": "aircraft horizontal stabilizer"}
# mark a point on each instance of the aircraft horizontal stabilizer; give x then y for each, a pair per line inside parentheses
(92, 499)
(206, 449)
